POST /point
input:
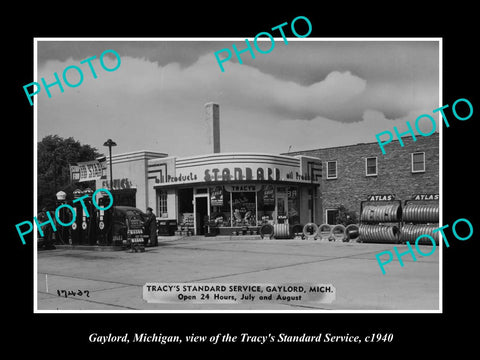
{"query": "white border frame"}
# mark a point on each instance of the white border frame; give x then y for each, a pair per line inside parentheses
(424, 165)
(296, 311)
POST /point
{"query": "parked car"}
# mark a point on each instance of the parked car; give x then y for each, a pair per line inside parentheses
(128, 226)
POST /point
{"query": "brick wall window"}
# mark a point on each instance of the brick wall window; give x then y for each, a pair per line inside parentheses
(371, 166)
(331, 216)
(418, 162)
(331, 169)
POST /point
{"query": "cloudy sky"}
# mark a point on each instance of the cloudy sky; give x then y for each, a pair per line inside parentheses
(305, 95)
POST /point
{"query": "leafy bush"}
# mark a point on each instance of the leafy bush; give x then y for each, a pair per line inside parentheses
(346, 217)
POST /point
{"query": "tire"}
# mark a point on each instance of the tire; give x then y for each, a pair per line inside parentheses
(266, 229)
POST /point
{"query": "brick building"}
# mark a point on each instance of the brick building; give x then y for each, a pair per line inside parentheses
(351, 173)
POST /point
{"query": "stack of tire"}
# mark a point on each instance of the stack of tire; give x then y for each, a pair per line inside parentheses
(379, 233)
(420, 213)
(410, 233)
(381, 213)
(420, 219)
(281, 231)
(377, 223)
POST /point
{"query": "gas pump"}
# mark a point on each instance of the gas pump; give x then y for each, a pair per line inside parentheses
(88, 236)
(62, 233)
(76, 227)
(104, 222)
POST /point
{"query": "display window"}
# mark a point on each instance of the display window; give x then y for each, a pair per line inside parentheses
(293, 205)
(237, 206)
(220, 206)
(244, 209)
(266, 204)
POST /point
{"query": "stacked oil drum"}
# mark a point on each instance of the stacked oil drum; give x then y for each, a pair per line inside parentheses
(419, 219)
(380, 223)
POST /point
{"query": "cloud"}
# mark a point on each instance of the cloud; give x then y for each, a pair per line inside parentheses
(323, 132)
(145, 105)
(243, 86)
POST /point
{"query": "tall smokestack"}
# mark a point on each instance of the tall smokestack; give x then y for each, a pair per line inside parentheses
(212, 118)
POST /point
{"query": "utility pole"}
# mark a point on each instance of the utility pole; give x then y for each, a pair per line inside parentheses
(110, 143)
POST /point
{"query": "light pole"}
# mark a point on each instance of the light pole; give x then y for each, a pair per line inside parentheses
(54, 155)
(110, 143)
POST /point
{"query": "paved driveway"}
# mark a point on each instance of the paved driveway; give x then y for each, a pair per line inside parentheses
(114, 279)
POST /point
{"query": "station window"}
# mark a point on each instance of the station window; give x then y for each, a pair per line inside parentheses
(371, 166)
(331, 169)
(162, 203)
(418, 162)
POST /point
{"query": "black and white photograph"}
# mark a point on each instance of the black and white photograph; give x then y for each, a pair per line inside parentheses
(238, 180)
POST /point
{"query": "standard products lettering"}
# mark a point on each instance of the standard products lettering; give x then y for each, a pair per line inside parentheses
(72, 210)
(190, 177)
(226, 175)
(263, 33)
(69, 70)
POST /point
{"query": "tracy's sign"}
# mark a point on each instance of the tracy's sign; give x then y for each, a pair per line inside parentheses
(242, 188)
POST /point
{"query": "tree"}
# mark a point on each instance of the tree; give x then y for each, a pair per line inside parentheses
(346, 217)
(54, 156)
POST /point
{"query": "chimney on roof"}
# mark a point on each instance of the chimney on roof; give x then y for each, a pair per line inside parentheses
(212, 118)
